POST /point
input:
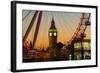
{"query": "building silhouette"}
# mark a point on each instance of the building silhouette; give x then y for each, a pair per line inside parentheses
(52, 32)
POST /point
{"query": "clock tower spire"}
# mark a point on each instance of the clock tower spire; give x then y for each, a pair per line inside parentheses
(52, 34)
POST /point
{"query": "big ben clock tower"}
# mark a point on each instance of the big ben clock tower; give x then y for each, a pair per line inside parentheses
(52, 34)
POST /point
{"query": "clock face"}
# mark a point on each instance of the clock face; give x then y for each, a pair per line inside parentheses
(50, 34)
(55, 34)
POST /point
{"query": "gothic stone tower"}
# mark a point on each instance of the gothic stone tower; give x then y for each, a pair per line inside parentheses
(52, 34)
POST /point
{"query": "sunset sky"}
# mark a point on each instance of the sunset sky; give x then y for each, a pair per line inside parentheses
(65, 22)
